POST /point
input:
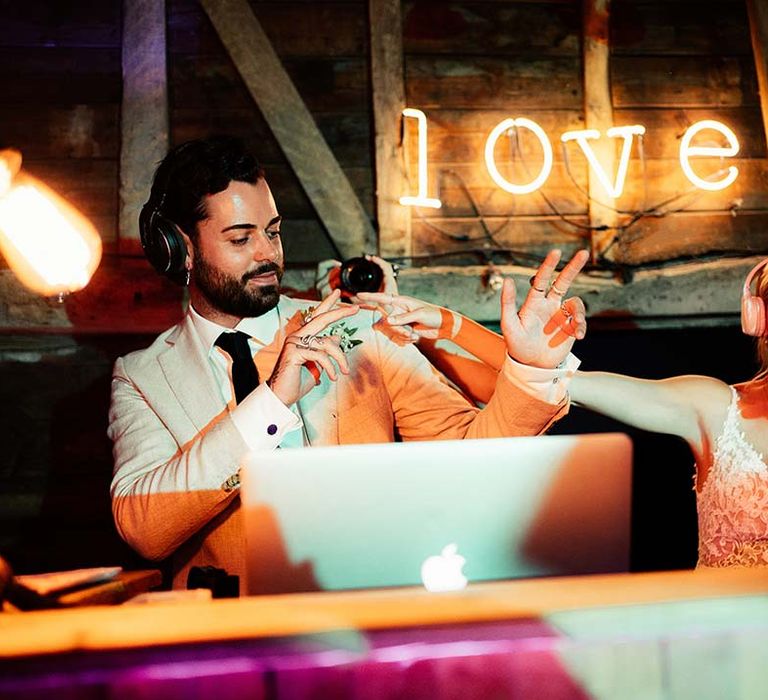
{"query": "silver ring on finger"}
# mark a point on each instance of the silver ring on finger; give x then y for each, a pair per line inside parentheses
(306, 341)
(532, 282)
(560, 292)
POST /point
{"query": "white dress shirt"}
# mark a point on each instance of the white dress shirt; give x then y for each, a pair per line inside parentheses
(262, 419)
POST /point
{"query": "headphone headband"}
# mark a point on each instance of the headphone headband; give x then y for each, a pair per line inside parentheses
(752, 273)
(753, 311)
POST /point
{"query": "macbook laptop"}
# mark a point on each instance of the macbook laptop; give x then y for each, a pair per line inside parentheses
(436, 513)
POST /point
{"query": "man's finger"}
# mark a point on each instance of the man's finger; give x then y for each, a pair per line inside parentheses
(320, 321)
(569, 273)
(322, 359)
(328, 303)
(337, 354)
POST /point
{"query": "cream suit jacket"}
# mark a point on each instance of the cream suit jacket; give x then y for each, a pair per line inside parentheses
(175, 443)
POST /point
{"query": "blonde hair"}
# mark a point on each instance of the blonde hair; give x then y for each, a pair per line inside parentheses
(762, 341)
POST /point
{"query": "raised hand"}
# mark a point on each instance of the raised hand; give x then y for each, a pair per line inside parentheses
(543, 331)
(306, 346)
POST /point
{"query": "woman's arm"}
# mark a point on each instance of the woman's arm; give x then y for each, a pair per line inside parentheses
(688, 406)
(467, 353)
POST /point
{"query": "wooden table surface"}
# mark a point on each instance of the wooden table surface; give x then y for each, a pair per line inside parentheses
(123, 587)
(116, 627)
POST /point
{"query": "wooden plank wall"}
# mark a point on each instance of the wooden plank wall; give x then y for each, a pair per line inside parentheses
(673, 62)
(468, 64)
(60, 82)
(324, 48)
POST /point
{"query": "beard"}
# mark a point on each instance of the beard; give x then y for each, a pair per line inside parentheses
(231, 295)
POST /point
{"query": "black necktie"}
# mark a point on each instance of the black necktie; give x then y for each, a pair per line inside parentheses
(245, 376)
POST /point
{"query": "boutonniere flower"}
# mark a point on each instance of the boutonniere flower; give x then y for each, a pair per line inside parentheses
(344, 333)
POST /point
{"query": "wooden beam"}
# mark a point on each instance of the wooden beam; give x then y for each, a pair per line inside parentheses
(387, 79)
(294, 128)
(598, 114)
(144, 116)
(127, 296)
(703, 294)
(758, 26)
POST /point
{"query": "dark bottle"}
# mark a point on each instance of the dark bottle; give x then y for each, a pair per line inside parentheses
(360, 275)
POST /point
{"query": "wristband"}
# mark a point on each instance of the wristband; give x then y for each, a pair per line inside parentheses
(449, 324)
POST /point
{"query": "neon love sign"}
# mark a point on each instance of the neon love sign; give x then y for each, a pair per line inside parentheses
(582, 138)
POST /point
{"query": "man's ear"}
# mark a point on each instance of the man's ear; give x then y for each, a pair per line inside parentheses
(190, 250)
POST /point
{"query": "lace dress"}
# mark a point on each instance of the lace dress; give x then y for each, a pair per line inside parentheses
(733, 503)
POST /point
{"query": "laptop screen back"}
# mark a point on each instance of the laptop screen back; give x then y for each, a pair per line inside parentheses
(361, 516)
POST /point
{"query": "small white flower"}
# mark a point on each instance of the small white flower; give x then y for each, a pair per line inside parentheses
(340, 330)
(344, 333)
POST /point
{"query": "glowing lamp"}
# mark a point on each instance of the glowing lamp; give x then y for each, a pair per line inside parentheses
(50, 246)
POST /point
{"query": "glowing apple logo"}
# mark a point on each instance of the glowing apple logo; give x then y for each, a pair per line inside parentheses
(443, 572)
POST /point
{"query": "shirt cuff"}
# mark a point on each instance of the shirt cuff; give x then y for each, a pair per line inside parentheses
(550, 385)
(264, 420)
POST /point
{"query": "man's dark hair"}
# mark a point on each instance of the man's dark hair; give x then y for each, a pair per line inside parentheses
(198, 168)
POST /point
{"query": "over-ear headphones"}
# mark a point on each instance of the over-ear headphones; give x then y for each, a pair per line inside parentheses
(163, 243)
(753, 312)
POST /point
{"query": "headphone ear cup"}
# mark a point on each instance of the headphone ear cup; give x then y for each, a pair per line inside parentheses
(752, 315)
(163, 244)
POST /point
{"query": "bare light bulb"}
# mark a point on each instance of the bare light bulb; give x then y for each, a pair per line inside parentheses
(48, 244)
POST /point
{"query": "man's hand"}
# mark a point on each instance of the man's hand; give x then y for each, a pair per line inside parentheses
(305, 346)
(543, 331)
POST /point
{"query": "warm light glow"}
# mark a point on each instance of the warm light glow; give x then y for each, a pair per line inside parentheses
(6, 177)
(686, 151)
(504, 127)
(421, 199)
(50, 246)
(582, 137)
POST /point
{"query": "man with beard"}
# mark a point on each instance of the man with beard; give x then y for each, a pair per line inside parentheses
(249, 370)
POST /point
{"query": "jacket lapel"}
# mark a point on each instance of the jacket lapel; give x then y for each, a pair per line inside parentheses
(186, 369)
(187, 372)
